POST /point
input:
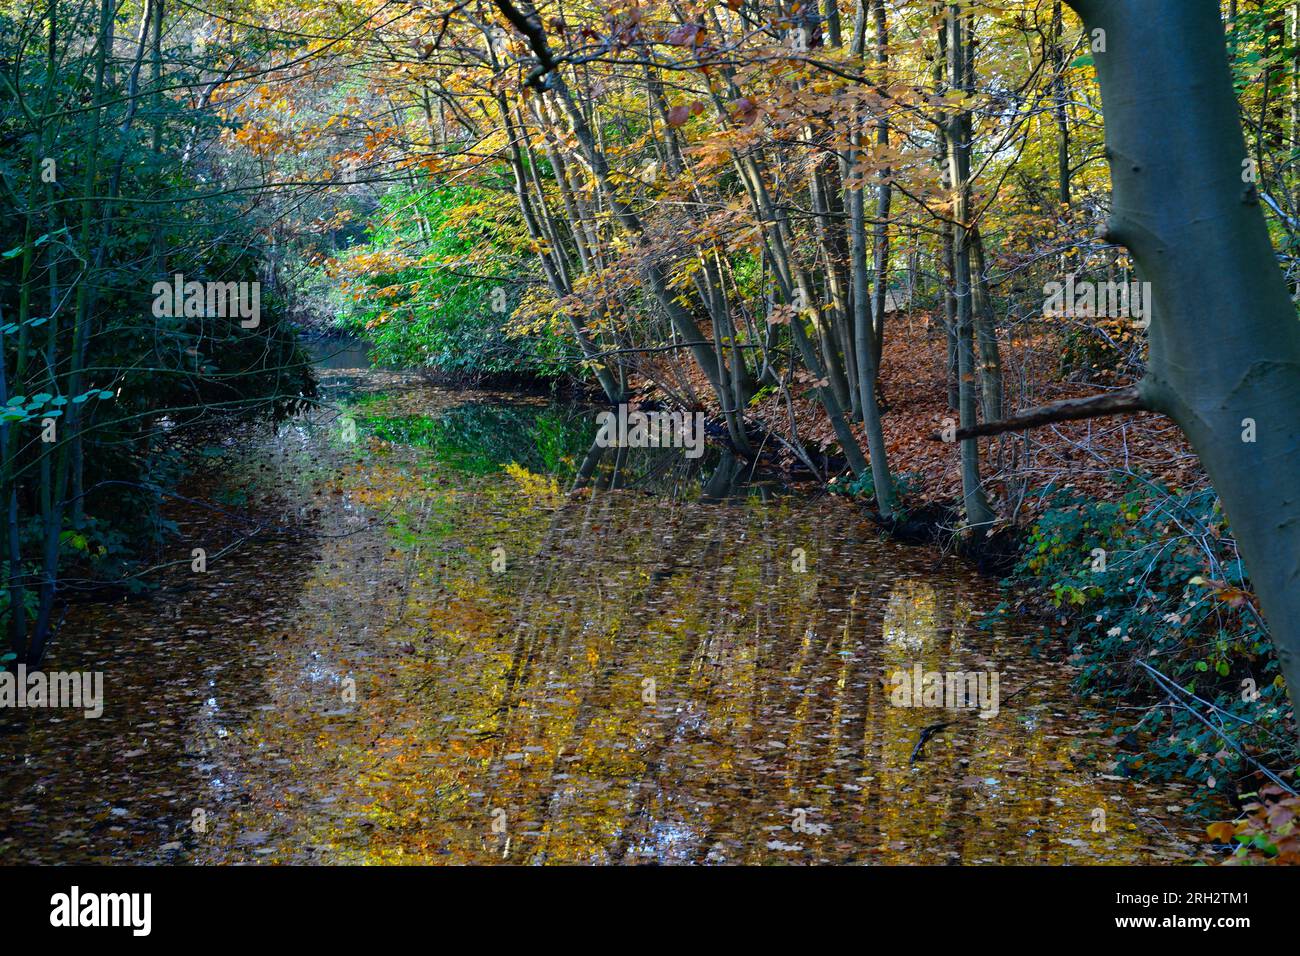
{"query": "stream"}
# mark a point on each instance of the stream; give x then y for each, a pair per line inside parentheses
(434, 627)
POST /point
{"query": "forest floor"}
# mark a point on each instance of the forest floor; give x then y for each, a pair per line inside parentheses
(1020, 469)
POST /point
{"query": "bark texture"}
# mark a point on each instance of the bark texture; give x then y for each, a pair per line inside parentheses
(1224, 338)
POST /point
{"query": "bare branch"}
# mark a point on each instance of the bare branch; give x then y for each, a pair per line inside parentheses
(1118, 402)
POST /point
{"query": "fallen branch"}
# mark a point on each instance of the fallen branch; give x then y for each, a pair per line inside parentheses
(1118, 402)
(918, 752)
(926, 733)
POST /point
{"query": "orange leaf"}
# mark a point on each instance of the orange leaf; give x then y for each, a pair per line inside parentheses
(1223, 832)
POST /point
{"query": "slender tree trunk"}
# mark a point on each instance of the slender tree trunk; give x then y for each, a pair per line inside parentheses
(990, 359)
(12, 553)
(1059, 101)
(884, 193)
(555, 277)
(960, 131)
(865, 346)
(69, 454)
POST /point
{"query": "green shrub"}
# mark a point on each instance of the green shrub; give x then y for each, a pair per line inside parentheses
(449, 307)
(864, 486)
(1154, 579)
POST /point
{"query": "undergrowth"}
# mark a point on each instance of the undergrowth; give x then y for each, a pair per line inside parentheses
(1149, 595)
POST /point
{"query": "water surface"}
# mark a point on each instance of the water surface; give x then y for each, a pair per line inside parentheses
(437, 627)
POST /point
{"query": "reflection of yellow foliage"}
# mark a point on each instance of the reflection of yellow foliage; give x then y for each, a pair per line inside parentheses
(535, 486)
(475, 698)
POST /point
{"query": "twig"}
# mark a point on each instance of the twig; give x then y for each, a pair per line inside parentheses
(1170, 687)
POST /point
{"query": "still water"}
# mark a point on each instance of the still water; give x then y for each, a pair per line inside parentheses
(436, 626)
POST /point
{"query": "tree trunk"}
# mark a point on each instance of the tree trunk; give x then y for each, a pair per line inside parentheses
(986, 334)
(1059, 107)
(1224, 339)
(884, 193)
(960, 132)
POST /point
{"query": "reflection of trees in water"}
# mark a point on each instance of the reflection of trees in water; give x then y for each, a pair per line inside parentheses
(716, 476)
(524, 692)
(910, 617)
(559, 440)
(480, 438)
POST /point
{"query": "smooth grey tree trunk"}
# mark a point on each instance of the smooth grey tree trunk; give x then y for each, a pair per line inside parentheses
(1224, 338)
